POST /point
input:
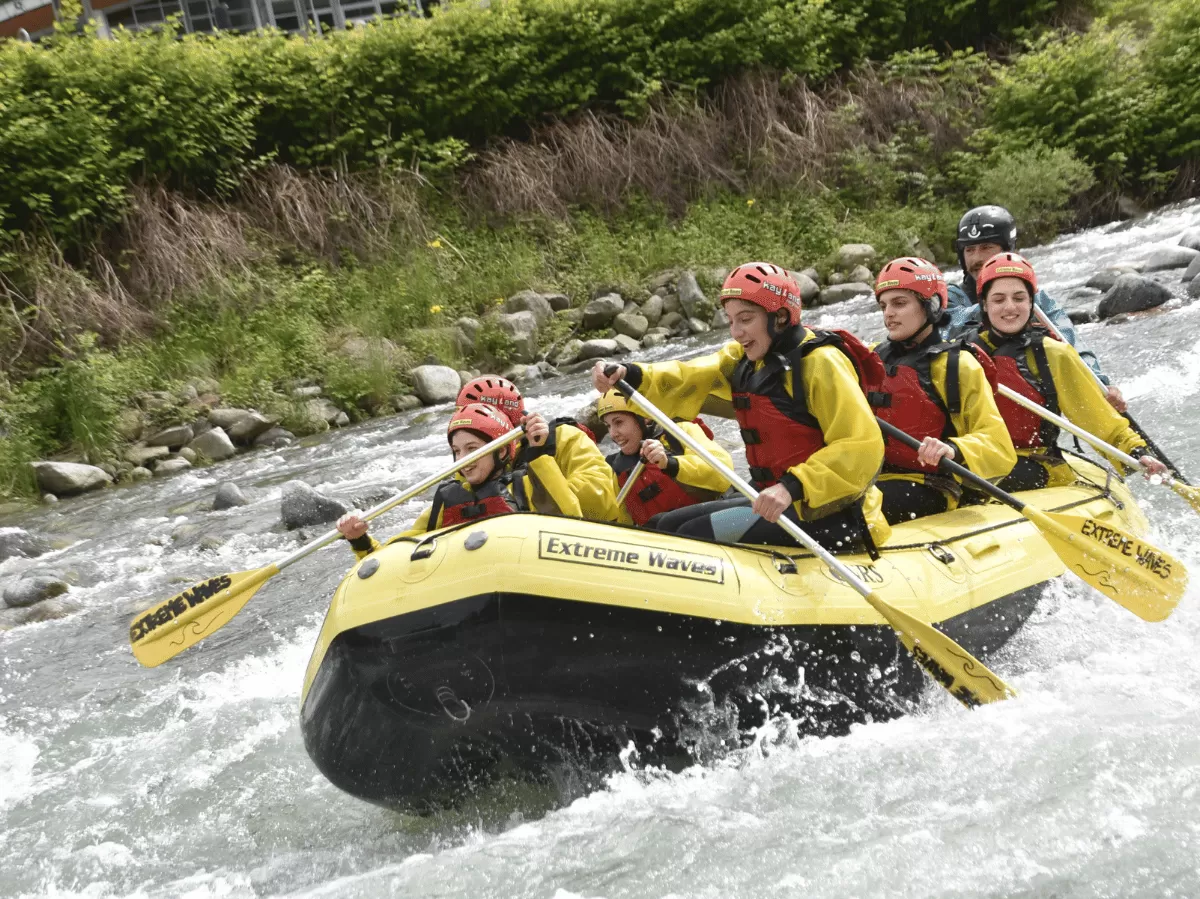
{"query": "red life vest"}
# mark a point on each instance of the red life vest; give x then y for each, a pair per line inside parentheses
(457, 502)
(1026, 429)
(777, 428)
(655, 490)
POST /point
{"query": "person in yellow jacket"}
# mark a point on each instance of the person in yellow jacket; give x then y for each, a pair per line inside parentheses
(936, 391)
(813, 445)
(673, 476)
(486, 487)
(573, 447)
(1044, 370)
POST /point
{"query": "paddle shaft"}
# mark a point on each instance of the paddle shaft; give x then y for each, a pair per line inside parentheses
(949, 466)
(414, 490)
(1150, 444)
(743, 487)
(633, 476)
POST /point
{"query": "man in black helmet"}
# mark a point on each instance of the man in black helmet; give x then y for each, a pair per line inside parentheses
(982, 233)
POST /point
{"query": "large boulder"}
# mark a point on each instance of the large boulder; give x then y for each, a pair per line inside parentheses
(599, 348)
(627, 344)
(1104, 280)
(435, 384)
(698, 325)
(558, 301)
(860, 273)
(227, 418)
(77, 572)
(837, 293)
(30, 590)
(1132, 293)
(691, 297)
(670, 321)
(652, 309)
(321, 411)
(851, 254)
(17, 542)
(631, 324)
(809, 289)
(229, 496)
(168, 467)
(214, 445)
(142, 456)
(247, 429)
(278, 437)
(529, 301)
(521, 329)
(568, 352)
(1193, 270)
(719, 318)
(301, 506)
(1170, 257)
(600, 312)
(405, 402)
(1191, 239)
(69, 478)
(174, 437)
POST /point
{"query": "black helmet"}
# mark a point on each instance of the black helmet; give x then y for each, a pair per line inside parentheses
(987, 224)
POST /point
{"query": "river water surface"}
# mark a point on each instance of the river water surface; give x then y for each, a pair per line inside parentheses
(191, 779)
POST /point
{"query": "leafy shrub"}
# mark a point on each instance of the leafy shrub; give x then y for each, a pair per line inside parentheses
(1035, 184)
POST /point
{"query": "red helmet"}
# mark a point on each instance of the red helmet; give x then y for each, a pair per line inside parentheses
(766, 285)
(494, 391)
(480, 419)
(1006, 265)
(920, 276)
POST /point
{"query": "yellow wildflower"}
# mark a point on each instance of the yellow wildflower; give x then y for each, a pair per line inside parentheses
(435, 244)
(435, 309)
(750, 202)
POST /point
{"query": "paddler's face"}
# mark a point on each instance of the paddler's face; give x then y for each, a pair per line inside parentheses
(748, 326)
(903, 313)
(976, 255)
(624, 430)
(1008, 305)
(464, 442)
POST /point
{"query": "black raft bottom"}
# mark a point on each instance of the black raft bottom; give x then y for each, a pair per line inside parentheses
(420, 711)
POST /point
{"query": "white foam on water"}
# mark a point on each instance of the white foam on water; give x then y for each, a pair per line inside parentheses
(18, 759)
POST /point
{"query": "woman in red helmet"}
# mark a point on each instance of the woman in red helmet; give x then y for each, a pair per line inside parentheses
(564, 440)
(811, 440)
(936, 391)
(1046, 371)
(484, 488)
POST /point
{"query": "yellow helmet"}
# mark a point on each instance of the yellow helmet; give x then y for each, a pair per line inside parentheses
(613, 401)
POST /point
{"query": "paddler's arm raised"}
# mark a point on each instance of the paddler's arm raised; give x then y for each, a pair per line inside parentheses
(983, 444)
(677, 388)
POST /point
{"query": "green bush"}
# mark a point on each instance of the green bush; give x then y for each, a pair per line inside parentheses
(1035, 184)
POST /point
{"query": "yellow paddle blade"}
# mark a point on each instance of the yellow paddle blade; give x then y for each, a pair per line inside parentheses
(1191, 494)
(1125, 568)
(187, 618)
(965, 677)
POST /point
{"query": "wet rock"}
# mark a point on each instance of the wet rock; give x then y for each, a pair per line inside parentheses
(139, 473)
(435, 384)
(627, 344)
(1193, 289)
(719, 319)
(17, 542)
(568, 352)
(214, 445)
(1132, 293)
(189, 454)
(669, 321)
(77, 573)
(1104, 280)
(852, 254)
(227, 418)
(301, 506)
(168, 467)
(691, 297)
(141, 456)
(809, 289)
(600, 312)
(49, 499)
(521, 328)
(698, 326)
(247, 429)
(179, 435)
(548, 370)
(229, 496)
(1082, 315)
(529, 301)
(652, 309)
(520, 373)
(47, 610)
(813, 275)
(653, 340)
(372, 495)
(631, 324)
(405, 402)
(30, 590)
(1193, 270)
(1170, 257)
(598, 348)
(838, 293)
(1118, 319)
(860, 273)
(306, 393)
(277, 438)
(68, 478)
(1191, 239)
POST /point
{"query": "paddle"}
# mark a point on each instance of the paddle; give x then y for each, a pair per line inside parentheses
(1150, 444)
(633, 476)
(167, 629)
(1124, 568)
(966, 678)
(1190, 494)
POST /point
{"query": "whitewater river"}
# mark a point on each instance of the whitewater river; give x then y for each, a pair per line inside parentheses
(191, 779)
